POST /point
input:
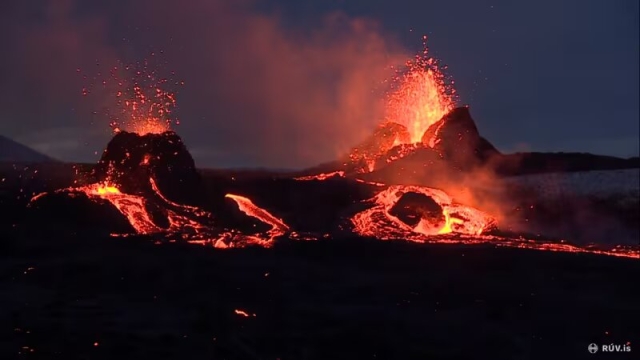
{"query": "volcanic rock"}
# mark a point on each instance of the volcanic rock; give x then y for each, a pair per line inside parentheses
(381, 141)
(69, 211)
(457, 138)
(131, 160)
(412, 207)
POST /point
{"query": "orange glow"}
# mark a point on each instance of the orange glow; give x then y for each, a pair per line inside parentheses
(103, 189)
(449, 222)
(463, 225)
(420, 98)
(133, 207)
(189, 223)
(243, 313)
(278, 227)
(323, 176)
(378, 222)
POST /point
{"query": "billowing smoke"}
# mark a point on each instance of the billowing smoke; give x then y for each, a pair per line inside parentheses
(258, 91)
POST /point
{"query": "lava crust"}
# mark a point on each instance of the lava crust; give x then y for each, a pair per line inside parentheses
(413, 207)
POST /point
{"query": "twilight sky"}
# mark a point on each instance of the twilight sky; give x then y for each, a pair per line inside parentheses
(289, 83)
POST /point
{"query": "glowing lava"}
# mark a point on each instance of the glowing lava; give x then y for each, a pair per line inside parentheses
(463, 225)
(378, 222)
(323, 176)
(278, 227)
(421, 96)
(186, 222)
(146, 110)
(144, 105)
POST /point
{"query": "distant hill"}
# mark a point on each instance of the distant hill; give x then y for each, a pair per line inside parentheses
(12, 151)
(539, 163)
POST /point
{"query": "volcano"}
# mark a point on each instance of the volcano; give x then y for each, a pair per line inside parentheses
(449, 147)
(148, 184)
(454, 138)
(131, 161)
(451, 144)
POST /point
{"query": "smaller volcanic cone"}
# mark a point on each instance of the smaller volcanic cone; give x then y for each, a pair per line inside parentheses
(385, 137)
(131, 160)
(457, 138)
(413, 208)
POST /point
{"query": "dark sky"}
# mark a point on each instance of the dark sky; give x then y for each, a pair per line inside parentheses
(291, 83)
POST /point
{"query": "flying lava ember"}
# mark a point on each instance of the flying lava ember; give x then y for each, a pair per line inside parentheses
(421, 96)
(143, 102)
(147, 174)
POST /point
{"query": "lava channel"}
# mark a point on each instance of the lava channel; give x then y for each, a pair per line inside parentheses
(186, 222)
(462, 225)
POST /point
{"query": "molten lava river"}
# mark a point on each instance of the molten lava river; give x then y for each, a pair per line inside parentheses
(399, 212)
(184, 222)
(448, 223)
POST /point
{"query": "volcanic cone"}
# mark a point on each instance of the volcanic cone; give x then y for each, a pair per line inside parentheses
(131, 160)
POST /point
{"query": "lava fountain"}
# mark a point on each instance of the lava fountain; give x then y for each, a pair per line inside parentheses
(147, 174)
(420, 97)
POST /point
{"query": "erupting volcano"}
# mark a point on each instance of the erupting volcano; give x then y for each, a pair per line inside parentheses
(131, 161)
(149, 177)
(419, 97)
(152, 182)
(146, 181)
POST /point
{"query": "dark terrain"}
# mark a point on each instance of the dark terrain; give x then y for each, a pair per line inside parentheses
(349, 299)
(76, 295)
(70, 291)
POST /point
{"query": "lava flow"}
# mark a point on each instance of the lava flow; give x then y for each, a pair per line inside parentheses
(278, 227)
(432, 212)
(458, 224)
(183, 221)
(151, 180)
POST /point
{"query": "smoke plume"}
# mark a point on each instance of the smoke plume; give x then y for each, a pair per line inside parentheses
(258, 91)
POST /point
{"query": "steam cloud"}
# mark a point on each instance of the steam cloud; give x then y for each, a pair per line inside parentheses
(258, 92)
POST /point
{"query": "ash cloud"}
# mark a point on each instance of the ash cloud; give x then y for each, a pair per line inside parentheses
(257, 90)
